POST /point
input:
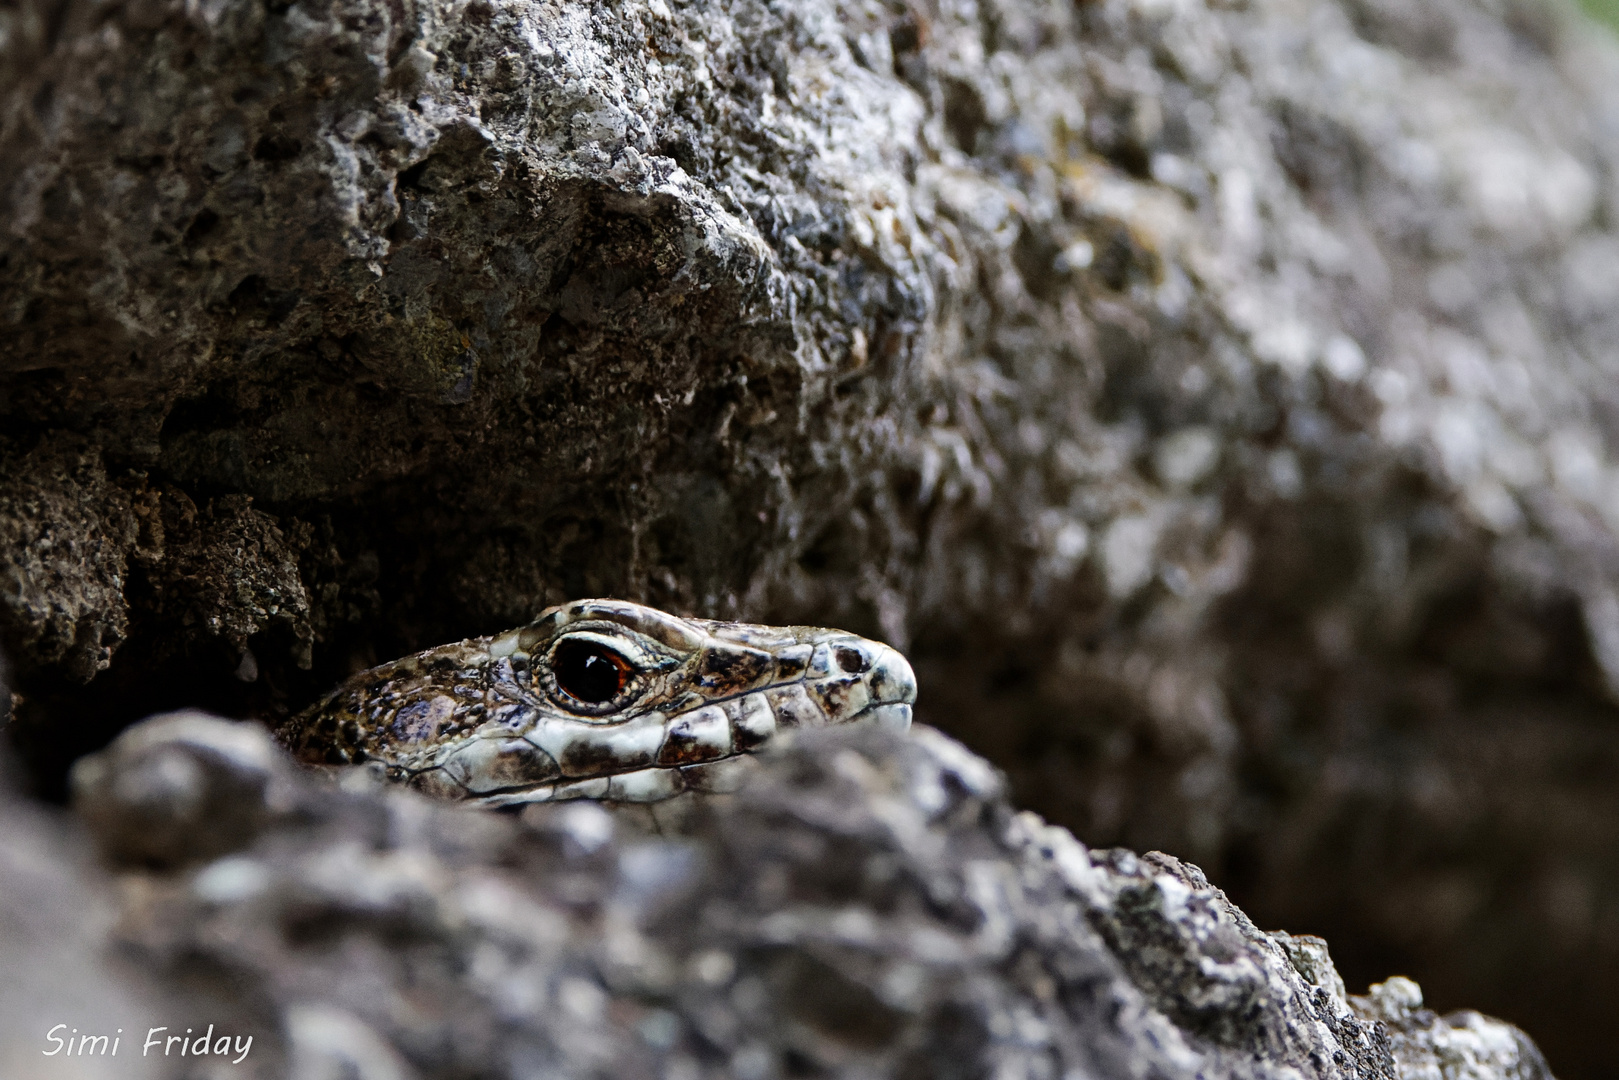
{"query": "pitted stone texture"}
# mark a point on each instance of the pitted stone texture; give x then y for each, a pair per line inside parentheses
(1461, 1046)
(1217, 397)
(868, 906)
(79, 547)
(65, 536)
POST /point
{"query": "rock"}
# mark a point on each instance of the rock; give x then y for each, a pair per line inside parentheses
(180, 788)
(1462, 1045)
(870, 905)
(1215, 399)
(65, 538)
(58, 911)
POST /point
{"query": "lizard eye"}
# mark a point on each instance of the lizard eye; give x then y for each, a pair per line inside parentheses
(590, 671)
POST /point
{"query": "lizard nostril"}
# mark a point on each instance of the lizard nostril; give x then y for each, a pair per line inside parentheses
(852, 661)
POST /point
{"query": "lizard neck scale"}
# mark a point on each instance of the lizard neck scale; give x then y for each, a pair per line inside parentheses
(600, 699)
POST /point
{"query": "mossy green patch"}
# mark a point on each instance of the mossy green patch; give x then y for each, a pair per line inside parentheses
(1606, 11)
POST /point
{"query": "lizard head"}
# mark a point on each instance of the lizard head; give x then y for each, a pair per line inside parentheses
(602, 699)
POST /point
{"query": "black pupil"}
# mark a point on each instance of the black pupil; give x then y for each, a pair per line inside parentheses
(587, 671)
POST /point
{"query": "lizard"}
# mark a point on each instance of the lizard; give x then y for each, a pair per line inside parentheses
(600, 699)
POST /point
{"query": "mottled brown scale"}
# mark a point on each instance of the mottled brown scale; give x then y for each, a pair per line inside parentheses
(732, 669)
(588, 758)
(487, 719)
(695, 738)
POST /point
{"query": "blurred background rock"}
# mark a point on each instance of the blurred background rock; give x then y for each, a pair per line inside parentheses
(1217, 401)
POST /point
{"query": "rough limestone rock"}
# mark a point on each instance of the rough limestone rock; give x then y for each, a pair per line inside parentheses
(867, 907)
(1462, 1045)
(1215, 398)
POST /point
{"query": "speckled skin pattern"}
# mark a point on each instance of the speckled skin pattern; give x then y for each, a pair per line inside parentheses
(487, 720)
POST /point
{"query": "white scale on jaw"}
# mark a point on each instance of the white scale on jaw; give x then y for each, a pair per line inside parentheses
(601, 699)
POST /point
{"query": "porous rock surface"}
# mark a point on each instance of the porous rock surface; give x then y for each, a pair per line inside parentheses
(868, 906)
(1216, 399)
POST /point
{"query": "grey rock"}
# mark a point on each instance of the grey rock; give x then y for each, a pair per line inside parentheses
(1215, 399)
(63, 979)
(1461, 1046)
(869, 905)
(65, 537)
(180, 788)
